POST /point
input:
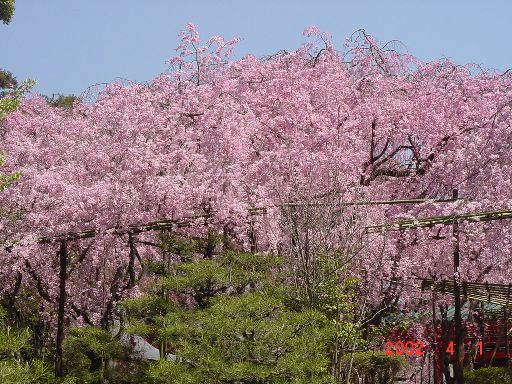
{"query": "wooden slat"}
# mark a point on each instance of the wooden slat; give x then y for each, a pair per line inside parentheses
(485, 292)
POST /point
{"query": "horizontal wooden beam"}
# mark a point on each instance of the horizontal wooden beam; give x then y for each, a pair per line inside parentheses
(118, 230)
(258, 210)
(440, 220)
(186, 221)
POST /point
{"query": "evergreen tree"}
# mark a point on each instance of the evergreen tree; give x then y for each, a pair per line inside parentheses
(232, 320)
(15, 347)
(6, 10)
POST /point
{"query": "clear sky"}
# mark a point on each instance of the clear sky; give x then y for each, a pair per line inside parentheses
(67, 45)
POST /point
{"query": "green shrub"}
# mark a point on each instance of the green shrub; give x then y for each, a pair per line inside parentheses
(240, 330)
(374, 367)
(491, 375)
(87, 352)
(246, 338)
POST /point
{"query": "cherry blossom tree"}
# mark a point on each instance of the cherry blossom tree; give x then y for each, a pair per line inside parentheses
(217, 139)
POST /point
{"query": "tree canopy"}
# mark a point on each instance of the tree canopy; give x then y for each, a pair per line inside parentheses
(214, 138)
(6, 10)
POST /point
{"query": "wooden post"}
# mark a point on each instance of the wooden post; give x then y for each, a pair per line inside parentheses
(252, 236)
(434, 328)
(482, 331)
(507, 342)
(459, 337)
(63, 265)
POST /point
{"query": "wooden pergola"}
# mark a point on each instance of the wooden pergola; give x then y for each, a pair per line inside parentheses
(203, 218)
(499, 294)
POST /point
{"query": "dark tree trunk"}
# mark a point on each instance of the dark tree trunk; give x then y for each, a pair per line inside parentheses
(444, 357)
(210, 245)
(38, 337)
(252, 237)
(11, 300)
(131, 262)
(63, 261)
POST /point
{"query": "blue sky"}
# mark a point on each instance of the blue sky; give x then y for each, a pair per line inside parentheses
(67, 45)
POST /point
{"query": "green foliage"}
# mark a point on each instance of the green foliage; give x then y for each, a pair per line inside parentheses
(374, 367)
(10, 101)
(330, 292)
(242, 329)
(6, 10)
(6, 180)
(209, 276)
(329, 288)
(20, 372)
(228, 319)
(94, 340)
(9, 104)
(491, 375)
(170, 372)
(204, 279)
(331, 295)
(244, 269)
(203, 276)
(147, 307)
(86, 352)
(13, 342)
(14, 348)
(249, 338)
(61, 101)
(178, 246)
(7, 80)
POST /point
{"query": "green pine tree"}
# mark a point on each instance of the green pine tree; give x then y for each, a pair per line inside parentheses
(233, 320)
(6, 10)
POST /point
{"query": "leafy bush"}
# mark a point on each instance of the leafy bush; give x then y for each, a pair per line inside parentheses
(491, 375)
(374, 367)
(7, 80)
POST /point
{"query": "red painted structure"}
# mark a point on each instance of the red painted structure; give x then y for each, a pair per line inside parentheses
(490, 346)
